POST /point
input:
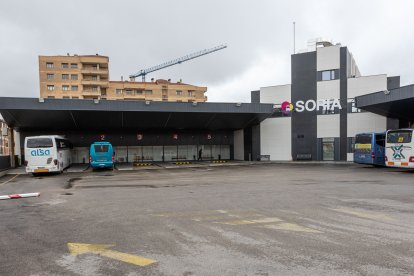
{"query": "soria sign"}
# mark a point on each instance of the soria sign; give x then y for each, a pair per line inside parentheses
(311, 105)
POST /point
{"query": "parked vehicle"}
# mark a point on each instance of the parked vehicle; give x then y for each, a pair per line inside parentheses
(101, 155)
(400, 148)
(45, 154)
(370, 149)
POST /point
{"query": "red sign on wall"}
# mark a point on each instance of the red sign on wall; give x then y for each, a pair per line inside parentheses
(175, 136)
(140, 136)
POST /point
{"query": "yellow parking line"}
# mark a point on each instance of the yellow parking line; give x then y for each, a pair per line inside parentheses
(291, 227)
(367, 215)
(9, 180)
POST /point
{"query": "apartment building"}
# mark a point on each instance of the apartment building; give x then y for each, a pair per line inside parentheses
(87, 77)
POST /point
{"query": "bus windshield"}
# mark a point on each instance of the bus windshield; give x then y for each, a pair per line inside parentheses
(363, 139)
(101, 148)
(399, 136)
(39, 143)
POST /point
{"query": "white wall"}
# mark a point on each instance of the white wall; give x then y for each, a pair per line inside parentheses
(238, 144)
(275, 94)
(328, 89)
(366, 85)
(365, 122)
(276, 139)
(327, 58)
(328, 126)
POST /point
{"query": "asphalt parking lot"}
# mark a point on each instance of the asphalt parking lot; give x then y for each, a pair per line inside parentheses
(270, 219)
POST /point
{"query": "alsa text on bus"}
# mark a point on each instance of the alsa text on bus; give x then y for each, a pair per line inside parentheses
(40, 152)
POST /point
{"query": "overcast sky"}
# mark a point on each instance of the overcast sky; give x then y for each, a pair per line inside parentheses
(140, 34)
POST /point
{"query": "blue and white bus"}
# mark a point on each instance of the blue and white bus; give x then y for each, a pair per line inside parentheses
(370, 148)
(45, 154)
(400, 148)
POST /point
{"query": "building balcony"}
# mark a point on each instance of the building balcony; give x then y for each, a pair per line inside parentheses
(95, 71)
(103, 83)
(91, 92)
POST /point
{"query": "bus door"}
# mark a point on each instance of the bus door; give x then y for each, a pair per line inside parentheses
(379, 149)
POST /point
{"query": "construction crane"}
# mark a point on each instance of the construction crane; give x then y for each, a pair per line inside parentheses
(142, 73)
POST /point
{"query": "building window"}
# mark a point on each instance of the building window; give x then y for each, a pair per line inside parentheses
(129, 92)
(138, 92)
(328, 75)
(50, 97)
(74, 77)
(179, 92)
(148, 92)
(190, 93)
(75, 97)
(66, 97)
(118, 91)
(74, 65)
(74, 88)
(95, 88)
(65, 65)
(65, 76)
(65, 87)
(50, 87)
(50, 76)
(49, 64)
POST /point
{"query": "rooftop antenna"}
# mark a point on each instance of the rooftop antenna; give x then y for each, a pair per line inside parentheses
(294, 37)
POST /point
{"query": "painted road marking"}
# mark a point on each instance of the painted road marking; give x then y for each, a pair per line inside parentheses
(9, 180)
(364, 214)
(102, 250)
(250, 221)
(291, 227)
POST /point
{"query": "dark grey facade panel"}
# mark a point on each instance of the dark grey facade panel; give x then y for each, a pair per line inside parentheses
(397, 103)
(142, 106)
(255, 96)
(343, 94)
(402, 93)
(247, 139)
(256, 142)
(393, 82)
(392, 123)
(4, 162)
(304, 124)
(337, 149)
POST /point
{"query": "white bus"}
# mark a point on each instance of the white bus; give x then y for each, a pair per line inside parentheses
(45, 154)
(399, 148)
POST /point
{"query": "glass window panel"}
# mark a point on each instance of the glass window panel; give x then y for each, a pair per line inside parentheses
(135, 154)
(216, 154)
(170, 153)
(121, 154)
(206, 152)
(225, 152)
(192, 152)
(157, 153)
(147, 155)
(326, 75)
(182, 152)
